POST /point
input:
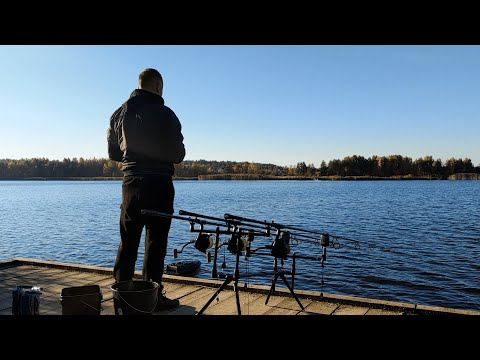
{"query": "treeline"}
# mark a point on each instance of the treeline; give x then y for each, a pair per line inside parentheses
(66, 168)
(375, 166)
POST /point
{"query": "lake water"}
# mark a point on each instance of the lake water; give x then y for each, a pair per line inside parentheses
(432, 229)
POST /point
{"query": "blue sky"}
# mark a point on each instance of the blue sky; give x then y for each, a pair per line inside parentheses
(260, 103)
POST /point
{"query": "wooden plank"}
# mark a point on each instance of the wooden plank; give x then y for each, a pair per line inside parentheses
(54, 276)
(12, 283)
(320, 308)
(83, 275)
(96, 278)
(182, 291)
(5, 294)
(258, 307)
(27, 280)
(9, 272)
(442, 310)
(23, 270)
(171, 287)
(49, 304)
(67, 283)
(6, 311)
(374, 311)
(350, 310)
(6, 303)
(288, 306)
(107, 309)
(59, 265)
(68, 276)
(105, 282)
(200, 297)
(229, 305)
(43, 271)
(215, 306)
(50, 300)
(181, 310)
(55, 311)
(49, 284)
(50, 272)
(52, 290)
(225, 301)
(4, 277)
(190, 304)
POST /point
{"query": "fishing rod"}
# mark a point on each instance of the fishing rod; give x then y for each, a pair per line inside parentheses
(253, 227)
(241, 239)
(209, 237)
(333, 240)
(192, 220)
(206, 236)
(242, 231)
(271, 224)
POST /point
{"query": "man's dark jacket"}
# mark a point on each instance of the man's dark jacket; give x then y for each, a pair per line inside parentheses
(145, 135)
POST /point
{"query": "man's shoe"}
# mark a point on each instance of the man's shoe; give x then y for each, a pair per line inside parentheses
(165, 303)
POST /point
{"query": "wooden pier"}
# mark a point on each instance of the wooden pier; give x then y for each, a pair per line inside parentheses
(193, 294)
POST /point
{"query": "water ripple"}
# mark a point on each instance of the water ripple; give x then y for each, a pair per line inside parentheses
(431, 227)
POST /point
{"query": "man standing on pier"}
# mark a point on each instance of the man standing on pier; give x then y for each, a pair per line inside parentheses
(146, 136)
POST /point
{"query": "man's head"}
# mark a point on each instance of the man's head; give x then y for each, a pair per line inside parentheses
(151, 80)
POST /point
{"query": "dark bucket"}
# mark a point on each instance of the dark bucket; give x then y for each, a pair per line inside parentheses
(135, 297)
(81, 300)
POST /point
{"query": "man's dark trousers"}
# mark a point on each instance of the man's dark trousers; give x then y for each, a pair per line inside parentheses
(152, 192)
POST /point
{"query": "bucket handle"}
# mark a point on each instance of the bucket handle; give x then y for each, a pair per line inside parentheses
(92, 307)
(133, 307)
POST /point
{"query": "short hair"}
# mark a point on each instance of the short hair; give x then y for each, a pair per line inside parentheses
(149, 77)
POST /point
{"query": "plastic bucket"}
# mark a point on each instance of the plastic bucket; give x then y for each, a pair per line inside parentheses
(135, 297)
(81, 300)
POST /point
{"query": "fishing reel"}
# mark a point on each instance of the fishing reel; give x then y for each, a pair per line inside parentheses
(203, 242)
(235, 246)
(281, 245)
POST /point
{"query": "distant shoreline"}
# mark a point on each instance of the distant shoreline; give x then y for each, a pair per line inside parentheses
(463, 176)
